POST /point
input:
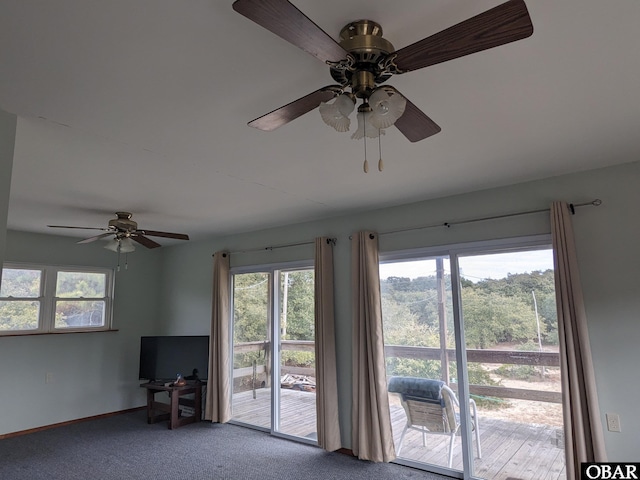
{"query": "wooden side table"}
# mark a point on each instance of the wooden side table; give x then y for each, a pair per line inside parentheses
(170, 411)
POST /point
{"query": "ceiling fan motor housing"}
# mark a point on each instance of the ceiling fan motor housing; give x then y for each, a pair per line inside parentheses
(123, 222)
(363, 40)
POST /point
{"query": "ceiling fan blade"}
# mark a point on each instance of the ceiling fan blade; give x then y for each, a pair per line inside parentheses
(97, 237)
(503, 24)
(414, 124)
(285, 20)
(295, 109)
(81, 228)
(142, 240)
(153, 233)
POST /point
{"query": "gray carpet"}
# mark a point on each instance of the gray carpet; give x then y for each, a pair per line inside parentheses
(124, 447)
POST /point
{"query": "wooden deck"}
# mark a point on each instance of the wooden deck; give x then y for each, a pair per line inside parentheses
(297, 411)
(510, 450)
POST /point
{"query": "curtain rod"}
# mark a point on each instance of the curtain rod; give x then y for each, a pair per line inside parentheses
(572, 206)
(331, 241)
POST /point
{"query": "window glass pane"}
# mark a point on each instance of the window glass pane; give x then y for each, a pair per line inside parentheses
(252, 349)
(20, 283)
(19, 315)
(511, 333)
(419, 343)
(297, 409)
(80, 284)
(79, 313)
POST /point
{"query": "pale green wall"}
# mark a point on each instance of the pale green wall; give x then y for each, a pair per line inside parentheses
(93, 373)
(168, 291)
(608, 244)
(7, 141)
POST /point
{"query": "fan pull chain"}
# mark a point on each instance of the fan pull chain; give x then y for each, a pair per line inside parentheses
(380, 163)
(365, 167)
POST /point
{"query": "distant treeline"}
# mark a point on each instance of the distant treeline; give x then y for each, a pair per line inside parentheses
(494, 311)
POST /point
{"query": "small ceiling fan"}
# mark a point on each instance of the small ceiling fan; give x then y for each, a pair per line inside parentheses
(124, 230)
(363, 60)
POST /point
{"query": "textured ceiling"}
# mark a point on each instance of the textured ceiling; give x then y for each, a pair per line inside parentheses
(142, 105)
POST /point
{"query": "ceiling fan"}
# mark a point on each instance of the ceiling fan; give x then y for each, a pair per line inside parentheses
(363, 60)
(124, 230)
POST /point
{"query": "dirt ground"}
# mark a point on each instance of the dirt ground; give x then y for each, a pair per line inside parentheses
(526, 411)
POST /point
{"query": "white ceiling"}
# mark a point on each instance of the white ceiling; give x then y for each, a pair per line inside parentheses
(142, 105)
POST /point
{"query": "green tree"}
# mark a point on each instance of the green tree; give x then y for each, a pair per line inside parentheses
(491, 318)
(76, 285)
(401, 327)
(300, 305)
(250, 307)
(21, 284)
(524, 286)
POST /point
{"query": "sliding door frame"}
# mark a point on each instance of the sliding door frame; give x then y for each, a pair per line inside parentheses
(273, 321)
(453, 251)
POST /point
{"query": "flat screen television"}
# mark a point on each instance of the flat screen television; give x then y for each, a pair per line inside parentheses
(162, 358)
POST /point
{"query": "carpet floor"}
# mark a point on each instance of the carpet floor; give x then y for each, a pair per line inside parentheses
(125, 447)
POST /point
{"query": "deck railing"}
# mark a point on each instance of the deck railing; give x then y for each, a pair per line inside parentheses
(508, 357)
(287, 345)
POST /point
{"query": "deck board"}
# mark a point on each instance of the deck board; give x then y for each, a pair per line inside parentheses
(510, 450)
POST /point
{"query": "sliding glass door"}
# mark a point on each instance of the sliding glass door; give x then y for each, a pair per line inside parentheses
(274, 351)
(472, 360)
(252, 348)
(511, 339)
(420, 354)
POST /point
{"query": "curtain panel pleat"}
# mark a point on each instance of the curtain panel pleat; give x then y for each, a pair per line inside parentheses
(371, 434)
(325, 347)
(218, 400)
(584, 440)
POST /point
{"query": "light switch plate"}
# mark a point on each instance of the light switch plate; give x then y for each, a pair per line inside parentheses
(613, 422)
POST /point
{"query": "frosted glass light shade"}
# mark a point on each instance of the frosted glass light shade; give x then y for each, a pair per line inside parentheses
(126, 245)
(385, 108)
(365, 126)
(336, 114)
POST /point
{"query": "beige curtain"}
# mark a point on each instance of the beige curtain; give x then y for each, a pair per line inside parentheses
(326, 377)
(218, 401)
(584, 441)
(371, 435)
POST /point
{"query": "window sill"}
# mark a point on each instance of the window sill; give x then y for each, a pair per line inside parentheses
(29, 334)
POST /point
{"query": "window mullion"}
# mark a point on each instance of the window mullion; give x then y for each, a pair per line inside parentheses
(48, 305)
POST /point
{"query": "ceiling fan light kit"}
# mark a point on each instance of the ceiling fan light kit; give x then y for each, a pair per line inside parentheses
(364, 59)
(365, 127)
(336, 112)
(120, 245)
(386, 108)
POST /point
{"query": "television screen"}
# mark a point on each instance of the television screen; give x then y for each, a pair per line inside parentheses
(163, 358)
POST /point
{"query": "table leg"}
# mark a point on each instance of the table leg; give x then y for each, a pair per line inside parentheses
(198, 404)
(173, 420)
(150, 398)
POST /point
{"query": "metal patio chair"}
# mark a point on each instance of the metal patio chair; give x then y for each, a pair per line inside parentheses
(432, 407)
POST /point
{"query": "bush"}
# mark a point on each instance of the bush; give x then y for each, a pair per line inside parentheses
(519, 372)
(409, 367)
(298, 359)
(242, 360)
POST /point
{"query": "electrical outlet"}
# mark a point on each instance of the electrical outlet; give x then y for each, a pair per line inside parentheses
(613, 422)
(48, 378)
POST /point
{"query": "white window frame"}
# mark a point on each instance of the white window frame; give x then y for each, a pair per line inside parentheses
(48, 299)
(273, 269)
(453, 251)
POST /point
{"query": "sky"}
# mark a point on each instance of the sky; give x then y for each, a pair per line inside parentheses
(476, 267)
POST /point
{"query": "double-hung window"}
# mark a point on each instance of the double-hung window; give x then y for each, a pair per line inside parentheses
(51, 299)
